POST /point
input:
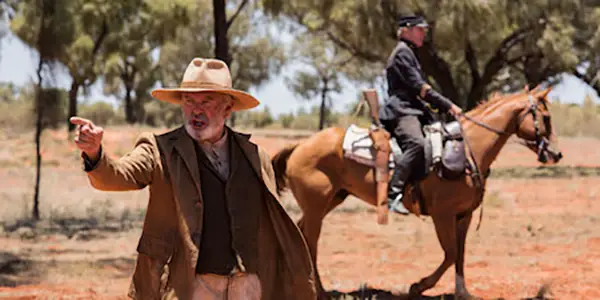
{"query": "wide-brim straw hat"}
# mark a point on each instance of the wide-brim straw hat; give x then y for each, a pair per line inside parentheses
(207, 75)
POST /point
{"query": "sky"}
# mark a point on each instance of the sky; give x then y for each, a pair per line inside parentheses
(18, 64)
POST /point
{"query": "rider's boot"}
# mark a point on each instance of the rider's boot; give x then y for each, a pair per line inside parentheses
(396, 190)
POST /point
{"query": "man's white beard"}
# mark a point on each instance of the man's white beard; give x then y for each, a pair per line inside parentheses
(211, 131)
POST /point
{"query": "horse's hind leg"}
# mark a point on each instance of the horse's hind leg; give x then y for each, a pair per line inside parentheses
(315, 200)
(462, 227)
(445, 227)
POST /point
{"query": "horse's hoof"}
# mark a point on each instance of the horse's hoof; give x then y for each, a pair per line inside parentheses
(414, 291)
(466, 296)
(322, 295)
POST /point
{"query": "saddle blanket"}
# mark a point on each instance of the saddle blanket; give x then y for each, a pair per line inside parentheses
(358, 146)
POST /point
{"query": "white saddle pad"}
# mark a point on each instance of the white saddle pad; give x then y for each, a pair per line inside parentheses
(358, 146)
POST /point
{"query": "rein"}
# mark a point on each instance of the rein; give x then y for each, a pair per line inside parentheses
(476, 176)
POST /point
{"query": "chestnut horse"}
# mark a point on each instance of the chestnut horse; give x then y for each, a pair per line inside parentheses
(320, 177)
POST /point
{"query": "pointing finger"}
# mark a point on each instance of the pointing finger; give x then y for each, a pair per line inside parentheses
(80, 121)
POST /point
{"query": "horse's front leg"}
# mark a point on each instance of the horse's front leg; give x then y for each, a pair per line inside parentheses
(462, 227)
(445, 227)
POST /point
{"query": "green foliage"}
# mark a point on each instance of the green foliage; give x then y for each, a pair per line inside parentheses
(130, 70)
(101, 113)
(8, 92)
(18, 112)
(55, 34)
(475, 47)
(254, 118)
(256, 56)
(54, 107)
(162, 114)
(286, 120)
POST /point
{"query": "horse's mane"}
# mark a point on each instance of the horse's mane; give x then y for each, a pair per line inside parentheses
(495, 98)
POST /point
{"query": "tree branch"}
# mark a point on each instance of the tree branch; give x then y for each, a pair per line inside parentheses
(498, 61)
(100, 39)
(366, 55)
(589, 79)
(237, 12)
(472, 61)
(436, 67)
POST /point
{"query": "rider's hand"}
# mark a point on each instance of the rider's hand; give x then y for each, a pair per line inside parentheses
(88, 137)
(455, 110)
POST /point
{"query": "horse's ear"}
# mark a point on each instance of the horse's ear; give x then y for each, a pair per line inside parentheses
(536, 89)
(544, 93)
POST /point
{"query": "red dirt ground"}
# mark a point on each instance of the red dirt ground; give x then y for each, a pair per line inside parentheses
(535, 233)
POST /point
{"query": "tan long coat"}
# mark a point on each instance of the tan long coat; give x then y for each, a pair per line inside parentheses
(168, 247)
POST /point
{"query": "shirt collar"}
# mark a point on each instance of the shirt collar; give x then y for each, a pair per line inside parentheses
(409, 43)
(218, 145)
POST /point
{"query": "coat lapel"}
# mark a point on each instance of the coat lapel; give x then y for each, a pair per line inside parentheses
(184, 145)
(250, 151)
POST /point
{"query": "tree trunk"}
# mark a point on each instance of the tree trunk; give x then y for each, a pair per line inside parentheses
(129, 108)
(438, 68)
(221, 40)
(38, 133)
(73, 103)
(324, 92)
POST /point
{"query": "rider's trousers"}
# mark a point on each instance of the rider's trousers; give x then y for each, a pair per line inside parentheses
(407, 131)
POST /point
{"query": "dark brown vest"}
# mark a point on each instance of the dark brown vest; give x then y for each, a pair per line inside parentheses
(232, 212)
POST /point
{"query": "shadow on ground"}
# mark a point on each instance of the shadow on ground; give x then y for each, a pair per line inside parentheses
(16, 271)
(376, 294)
(77, 228)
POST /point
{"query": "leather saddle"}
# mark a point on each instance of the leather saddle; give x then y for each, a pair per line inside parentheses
(444, 149)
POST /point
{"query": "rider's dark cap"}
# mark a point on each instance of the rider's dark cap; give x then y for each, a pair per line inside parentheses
(412, 21)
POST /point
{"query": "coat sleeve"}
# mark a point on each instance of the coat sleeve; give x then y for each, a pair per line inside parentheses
(407, 65)
(133, 171)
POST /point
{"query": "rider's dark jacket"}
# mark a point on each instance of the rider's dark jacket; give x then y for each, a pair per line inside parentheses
(405, 81)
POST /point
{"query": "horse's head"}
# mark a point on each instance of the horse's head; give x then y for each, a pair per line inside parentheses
(535, 127)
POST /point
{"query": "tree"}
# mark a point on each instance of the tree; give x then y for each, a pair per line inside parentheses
(130, 67)
(254, 54)
(47, 33)
(466, 55)
(221, 28)
(94, 22)
(86, 25)
(322, 74)
(589, 37)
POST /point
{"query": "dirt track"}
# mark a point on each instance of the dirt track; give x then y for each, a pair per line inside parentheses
(536, 233)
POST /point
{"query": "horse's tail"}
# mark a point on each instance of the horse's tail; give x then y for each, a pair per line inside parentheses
(279, 162)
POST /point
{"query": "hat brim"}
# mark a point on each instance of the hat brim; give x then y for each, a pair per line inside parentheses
(241, 100)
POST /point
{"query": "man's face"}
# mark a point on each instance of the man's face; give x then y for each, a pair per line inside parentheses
(204, 115)
(417, 35)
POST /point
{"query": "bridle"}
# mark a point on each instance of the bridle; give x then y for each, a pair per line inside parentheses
(541, 142)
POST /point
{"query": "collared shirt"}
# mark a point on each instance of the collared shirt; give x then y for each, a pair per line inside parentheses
(218, 154)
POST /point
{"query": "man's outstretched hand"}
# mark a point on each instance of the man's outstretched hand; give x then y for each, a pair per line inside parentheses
(88, 137)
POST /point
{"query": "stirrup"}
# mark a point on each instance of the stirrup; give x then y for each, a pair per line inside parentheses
(397, 206)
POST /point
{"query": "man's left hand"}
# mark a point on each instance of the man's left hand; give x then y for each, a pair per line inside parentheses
(455, 110)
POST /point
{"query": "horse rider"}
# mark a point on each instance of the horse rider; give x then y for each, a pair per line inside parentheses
(405, 110)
